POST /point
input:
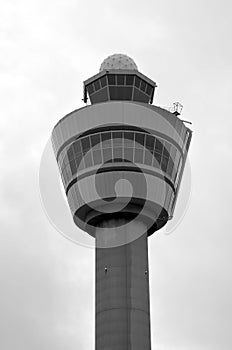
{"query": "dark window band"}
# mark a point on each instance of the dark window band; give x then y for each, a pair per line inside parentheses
(121, 127)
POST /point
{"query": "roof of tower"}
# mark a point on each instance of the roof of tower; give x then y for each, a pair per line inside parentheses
(118, 61)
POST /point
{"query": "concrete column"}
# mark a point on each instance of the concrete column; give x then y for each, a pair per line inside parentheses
(122, 293)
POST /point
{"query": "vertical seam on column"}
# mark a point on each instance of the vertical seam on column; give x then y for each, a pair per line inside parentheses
(148, 293)
(128, 310)
(96, 294)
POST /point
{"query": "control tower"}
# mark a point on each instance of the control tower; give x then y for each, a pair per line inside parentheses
(121, 160)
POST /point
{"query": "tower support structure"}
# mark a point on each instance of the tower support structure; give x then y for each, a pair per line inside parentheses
(122, 295)
(121, 160)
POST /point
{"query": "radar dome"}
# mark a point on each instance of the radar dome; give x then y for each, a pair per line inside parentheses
(118, 61)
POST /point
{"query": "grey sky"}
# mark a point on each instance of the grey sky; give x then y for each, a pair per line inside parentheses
(47, 283)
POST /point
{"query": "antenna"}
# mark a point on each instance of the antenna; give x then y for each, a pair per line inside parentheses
(177, 108)
(85, 97)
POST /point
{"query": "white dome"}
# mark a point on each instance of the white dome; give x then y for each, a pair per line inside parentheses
(118, 61)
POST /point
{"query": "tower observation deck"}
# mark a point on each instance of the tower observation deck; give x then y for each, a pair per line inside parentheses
(121, 160)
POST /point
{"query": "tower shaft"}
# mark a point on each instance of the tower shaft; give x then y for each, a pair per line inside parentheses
(122, 296)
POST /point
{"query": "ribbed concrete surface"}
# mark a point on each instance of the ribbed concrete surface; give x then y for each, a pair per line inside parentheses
(122, 296)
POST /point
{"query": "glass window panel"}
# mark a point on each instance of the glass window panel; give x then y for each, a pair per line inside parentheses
(150, 141)
(127, 93)
(70, 154)
(158, 147)
(77, 147)
(120, 79)
(169, 167)
(62, 155)
(128, 154)
(137, 82)
(106, 139)
(90, 88)
(111, 79)
(139, 140)
(129, 79)
(143, 85)
(148, 157)
(96, 85)
(107, 154)
(129, 135)
(85, 143)
(138, 157)
(117, 138)
(167, 146)
(117, 134)
(103, 81)
(165, 152)
(153, 156)
(95, 141)
(164, 164)
(64, 158)
(140, 96)
(88, 159)
(120, 93)
(128, 138)
(68, 171)
(173, 152)
(157, 159)
(80, 163)
(117, 152)
(97, 157)
(149, 89)
(73, 167)
(99, 96)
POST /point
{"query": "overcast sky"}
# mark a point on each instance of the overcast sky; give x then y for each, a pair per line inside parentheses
(47, 49)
